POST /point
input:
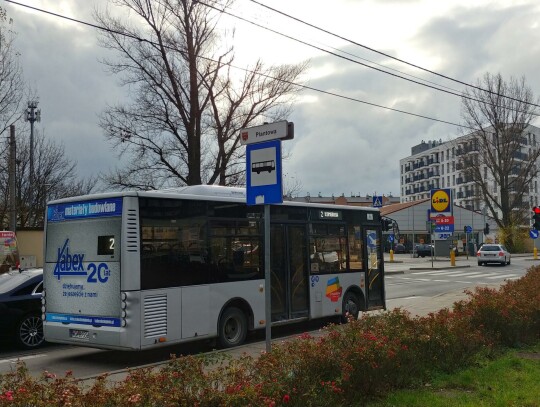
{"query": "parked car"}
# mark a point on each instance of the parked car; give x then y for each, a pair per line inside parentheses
(20, 307)
(400, 248)
(423, 250)
(493, 253)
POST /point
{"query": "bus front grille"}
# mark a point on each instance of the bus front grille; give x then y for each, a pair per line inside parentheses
(155, 316)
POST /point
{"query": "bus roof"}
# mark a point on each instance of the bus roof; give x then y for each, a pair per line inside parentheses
(203, 192)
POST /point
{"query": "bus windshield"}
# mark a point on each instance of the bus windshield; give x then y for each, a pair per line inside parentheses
(9, 253)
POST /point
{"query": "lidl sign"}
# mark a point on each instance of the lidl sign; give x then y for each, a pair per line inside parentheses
(441, 200)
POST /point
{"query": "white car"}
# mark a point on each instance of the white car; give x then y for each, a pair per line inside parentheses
(493, 253)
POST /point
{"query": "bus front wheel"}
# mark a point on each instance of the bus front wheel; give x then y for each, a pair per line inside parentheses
(232, 328)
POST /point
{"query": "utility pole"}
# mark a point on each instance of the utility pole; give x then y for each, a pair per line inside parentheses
(12, 178)
(33, 114)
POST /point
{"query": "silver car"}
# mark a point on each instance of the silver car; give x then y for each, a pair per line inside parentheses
(493, 253)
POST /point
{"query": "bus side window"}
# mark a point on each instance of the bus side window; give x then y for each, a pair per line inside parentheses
(356, 249)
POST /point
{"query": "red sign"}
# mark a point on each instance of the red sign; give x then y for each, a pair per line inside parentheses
(443, 220)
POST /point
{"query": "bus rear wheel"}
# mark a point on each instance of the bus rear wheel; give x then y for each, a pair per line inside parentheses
(232, 328)
(351, 306)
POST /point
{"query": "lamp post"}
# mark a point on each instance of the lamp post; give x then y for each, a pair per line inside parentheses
(12, 179)
(33, 114)
(46, 189)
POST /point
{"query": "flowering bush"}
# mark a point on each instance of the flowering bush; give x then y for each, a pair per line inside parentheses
(346, 364)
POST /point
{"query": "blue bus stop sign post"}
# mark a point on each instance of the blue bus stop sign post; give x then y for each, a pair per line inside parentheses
(265, 187)
(264, 173)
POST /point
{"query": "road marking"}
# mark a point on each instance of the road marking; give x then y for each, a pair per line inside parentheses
(468, 274)
(15, 360)
(504, 276)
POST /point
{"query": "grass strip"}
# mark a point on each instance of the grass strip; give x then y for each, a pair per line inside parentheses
(509, 380)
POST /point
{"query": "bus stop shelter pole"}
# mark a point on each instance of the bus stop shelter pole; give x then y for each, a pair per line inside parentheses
(267, 274)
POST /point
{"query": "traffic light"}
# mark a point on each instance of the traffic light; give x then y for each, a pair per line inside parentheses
(386, 224)
(536, 218)
(486, 229)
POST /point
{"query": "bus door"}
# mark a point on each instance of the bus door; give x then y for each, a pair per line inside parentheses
(289, 281)
(375, 280)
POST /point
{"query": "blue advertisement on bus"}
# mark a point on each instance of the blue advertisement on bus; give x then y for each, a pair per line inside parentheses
(82, 262)
(98, 208)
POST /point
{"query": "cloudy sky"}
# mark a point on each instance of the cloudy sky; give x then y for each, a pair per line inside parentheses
(340, 146)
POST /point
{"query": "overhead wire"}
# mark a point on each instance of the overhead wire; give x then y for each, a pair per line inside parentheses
(390, 56)
(455, 93)
(132, 36)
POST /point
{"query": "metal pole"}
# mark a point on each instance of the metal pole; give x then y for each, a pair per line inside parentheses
(413, 232)
(12, 179)
(267, 280)
(484, 212)
(32, 115)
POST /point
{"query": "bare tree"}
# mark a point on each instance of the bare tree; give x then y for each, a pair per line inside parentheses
(55, 177)
(182, 126)
(499, 156)
(11, 78)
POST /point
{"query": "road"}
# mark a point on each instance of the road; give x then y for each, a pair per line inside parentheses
(426, 278)
(410, 283)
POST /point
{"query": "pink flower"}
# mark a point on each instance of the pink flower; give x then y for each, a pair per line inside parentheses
(286, 398)
(9, 395)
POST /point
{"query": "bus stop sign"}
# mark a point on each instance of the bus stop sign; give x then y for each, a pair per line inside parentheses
(263, 173)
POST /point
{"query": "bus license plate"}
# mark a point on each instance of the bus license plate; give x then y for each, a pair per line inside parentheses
(79, 334)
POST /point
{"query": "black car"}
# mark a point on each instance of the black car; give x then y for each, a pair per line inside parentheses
(400, 248)
(423, 250)
(20, 307)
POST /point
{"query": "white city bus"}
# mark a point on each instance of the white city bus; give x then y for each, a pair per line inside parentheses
(136, 270)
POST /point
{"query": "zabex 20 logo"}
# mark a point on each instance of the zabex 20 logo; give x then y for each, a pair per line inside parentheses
(72, 264)
(440, 200)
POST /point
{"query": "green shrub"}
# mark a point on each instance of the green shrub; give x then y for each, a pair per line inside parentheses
(345, 365)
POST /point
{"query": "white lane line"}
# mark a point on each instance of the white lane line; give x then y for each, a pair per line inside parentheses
(417, 279)
(14, 360)
(504, 276)
(440, 272)
(467, 274)
(490, 274)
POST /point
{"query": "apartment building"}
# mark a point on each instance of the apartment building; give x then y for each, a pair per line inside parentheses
(437, 164)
